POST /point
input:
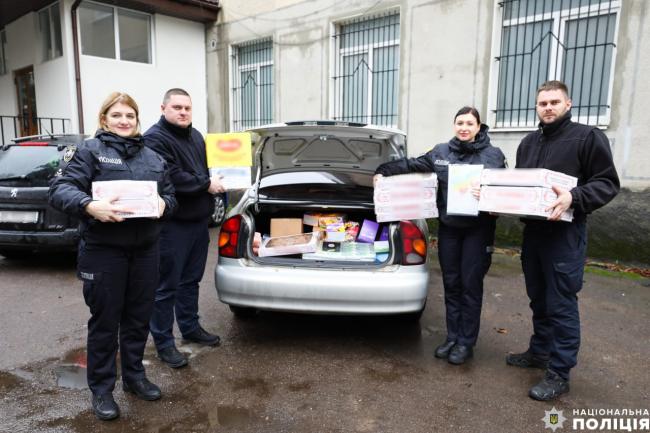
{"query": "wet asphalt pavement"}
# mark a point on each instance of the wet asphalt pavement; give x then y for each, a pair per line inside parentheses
(294, 373)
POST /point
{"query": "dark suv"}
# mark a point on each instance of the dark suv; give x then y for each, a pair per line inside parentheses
(27, 223)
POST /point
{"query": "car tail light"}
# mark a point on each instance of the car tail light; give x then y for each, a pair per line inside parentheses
(34, 143)
(414, 245)
(229, 237)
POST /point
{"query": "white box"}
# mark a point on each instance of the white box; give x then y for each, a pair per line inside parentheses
(285, 245)
(519, 200)
(233, 177)
(406, 196)
(527, 177)
(139, 196)
(462, 177)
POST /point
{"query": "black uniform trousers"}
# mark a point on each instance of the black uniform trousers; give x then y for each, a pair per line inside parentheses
(553, 258)
(465, 255)
(118, 286)
(183, 255)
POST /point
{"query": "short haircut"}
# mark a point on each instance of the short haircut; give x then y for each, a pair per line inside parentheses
(553, 85)
(469, 110)
(174, 91)
(112, 99)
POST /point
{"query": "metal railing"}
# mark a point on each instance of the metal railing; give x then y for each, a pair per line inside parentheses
(16, 126)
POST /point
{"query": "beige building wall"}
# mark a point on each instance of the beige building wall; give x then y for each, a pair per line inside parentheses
(446, 61)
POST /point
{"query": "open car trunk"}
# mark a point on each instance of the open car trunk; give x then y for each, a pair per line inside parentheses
(344, 254)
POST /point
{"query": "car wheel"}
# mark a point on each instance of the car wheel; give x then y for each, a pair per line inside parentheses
(243, 312)
(219, 210)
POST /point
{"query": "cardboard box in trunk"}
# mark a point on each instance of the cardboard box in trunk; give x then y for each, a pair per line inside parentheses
(285, 227)
(529, 201)
(287, 245)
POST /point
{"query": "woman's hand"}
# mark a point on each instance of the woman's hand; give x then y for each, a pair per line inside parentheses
(105, 211)
(161, 207)
(476, 190)
(375, 178)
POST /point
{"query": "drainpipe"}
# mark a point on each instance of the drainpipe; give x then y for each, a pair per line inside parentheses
(77, 68)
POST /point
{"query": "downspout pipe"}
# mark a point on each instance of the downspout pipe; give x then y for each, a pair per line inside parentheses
(77, 67)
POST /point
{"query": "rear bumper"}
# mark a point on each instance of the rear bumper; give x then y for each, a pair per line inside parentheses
(39, 240)
(389, 290)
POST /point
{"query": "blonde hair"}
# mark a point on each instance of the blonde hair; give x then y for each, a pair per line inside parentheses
(113, 99)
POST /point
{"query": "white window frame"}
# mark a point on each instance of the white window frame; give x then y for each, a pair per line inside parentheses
(558, 28)
(50, 54)
(116, 33)
(235, 107)
(336, 110)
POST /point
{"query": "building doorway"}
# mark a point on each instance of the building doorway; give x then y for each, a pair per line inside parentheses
(26, 93)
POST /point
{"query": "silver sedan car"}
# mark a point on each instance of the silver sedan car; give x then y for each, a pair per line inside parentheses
(320, 167)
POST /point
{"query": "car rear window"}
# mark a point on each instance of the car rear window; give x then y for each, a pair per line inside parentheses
(28, 165)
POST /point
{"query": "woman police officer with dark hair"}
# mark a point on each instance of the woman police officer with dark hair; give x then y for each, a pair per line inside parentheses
(118, 257)
(465, 243)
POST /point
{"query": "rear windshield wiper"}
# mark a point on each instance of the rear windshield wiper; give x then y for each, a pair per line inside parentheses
(21, 177)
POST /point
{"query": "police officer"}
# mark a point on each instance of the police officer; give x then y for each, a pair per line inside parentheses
(553, 252)
(118, 257)
(184, 238)
(465, 243)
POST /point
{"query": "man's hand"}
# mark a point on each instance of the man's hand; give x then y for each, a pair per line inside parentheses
(475, 190)
(561, 204)
(105, 211)
(215, 185)
(375, 178)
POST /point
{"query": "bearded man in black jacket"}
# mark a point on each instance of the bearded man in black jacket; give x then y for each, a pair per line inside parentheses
(184, 238)
(553, 251)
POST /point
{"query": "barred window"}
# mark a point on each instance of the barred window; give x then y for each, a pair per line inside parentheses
(252, 84)
(568, 40)
(366, 70)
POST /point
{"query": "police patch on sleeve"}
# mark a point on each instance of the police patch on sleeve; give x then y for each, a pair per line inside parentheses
(69, 152)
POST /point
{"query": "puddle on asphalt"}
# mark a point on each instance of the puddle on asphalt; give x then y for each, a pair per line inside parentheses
(71, 376)
(71, 373)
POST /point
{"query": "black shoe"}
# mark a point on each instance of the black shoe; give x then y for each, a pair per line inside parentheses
(550, 387)
(443, 350)
(172, 357)
(105, 407)
(201, 336)
(527, 360)
(459, 354)
(143, 389)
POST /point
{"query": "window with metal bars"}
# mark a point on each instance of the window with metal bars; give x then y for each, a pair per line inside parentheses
(252, 84)
(366, 70)
(568, 40)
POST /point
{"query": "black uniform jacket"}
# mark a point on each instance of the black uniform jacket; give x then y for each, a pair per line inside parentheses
(184, 151)
(577, 150)
(111, 157)
(437, 160)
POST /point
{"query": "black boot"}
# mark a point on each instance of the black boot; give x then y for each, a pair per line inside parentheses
(105, 407)
(527, 360)
(550, 387)
(459, 354)
(443, 350)
(143, 389)
(172, 357)
(201, 336)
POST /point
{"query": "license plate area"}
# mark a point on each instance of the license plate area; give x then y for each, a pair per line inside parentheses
(18, 216)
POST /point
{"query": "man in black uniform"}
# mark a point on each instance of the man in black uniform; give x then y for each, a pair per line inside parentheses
(184, 238)
(553, 252)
